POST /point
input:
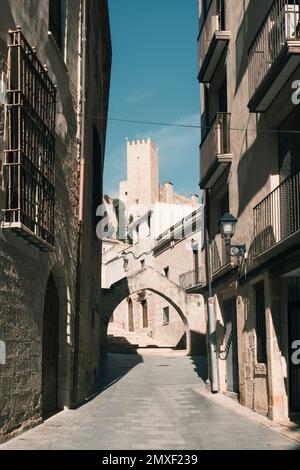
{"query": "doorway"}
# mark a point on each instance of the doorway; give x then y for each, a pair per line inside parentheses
(50, 349)
(294, 367)
(231, 346)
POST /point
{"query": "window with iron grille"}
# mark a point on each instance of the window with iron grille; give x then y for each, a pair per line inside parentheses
(30, 147)
(55, 23)
(166, 316)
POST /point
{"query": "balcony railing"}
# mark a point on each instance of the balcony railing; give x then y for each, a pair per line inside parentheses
(211, 24)
(277, 217)
(190, 279)
(30, 149)
(280, 25)
(192, 223)
(216, 143)
(219, 254)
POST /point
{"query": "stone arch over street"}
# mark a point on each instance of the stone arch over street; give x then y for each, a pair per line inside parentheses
(190, 307)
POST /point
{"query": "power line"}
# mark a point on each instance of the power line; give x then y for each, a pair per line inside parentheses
(192, 126)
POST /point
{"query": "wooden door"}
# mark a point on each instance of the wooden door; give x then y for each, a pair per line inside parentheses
(50, 349)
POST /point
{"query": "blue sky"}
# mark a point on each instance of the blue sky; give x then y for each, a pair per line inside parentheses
(154, 78)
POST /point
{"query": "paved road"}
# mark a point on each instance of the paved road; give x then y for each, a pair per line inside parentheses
(149, 402)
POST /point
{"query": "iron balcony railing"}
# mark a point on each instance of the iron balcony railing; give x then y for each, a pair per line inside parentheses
(219, 254)
(212, 20)
(190, 279)
(280, 25)
(30, 147)
(192, 223)
(216, 141)
(278, 216)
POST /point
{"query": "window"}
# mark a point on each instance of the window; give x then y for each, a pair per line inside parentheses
(55, 23)
(167, 271)
(31, 140)
(221, 15)
(166, 316)
(145, 313)
(142, 263)
(261, 339)
(196, 266)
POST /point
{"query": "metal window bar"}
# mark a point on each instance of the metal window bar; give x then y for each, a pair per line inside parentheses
(280, 25)
(213, 20)
(278, 216)
(219, 254)
(30, 153)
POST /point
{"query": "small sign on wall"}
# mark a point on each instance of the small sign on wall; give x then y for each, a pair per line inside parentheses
(2, 353)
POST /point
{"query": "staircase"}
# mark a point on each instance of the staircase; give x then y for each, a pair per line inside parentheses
(127, 342)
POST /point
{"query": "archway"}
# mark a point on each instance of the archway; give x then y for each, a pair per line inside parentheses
(143, 321)
(190, 307)
(50, 349)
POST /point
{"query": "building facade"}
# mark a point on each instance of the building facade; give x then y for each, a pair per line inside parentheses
(172, 254)
(249, 157)
(55, 71)
(142, 188)
(155, 216)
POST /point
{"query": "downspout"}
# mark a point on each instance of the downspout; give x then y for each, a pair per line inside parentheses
(81, 126)
(210, 304)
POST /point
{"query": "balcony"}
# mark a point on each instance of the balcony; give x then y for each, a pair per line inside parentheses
(220, 258)
(212, 42)
(191, 279)
(215, 154)
(190, 224)
(274, 54)
(28, 169)
(277, 219)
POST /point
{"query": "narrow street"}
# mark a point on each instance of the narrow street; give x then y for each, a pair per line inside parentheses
(149, 402)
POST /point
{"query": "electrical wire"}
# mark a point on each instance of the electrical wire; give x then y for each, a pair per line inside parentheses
(190, 126)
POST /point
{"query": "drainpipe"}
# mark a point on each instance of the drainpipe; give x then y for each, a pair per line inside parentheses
(81, 126)
(210, 304)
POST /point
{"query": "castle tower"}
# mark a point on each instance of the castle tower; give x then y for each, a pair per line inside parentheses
(142, 185)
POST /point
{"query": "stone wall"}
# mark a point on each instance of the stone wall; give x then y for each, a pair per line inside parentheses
(24, 271)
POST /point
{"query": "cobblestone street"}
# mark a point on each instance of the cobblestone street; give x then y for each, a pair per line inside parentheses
(149, 402)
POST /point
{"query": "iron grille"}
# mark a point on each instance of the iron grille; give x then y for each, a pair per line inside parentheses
(282, 23)
(30, 153)
(277, 217)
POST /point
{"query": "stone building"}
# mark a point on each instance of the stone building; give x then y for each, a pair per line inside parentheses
(164, 266)
(55, 59)
(142, 189)
(249, 59)
(156, 216)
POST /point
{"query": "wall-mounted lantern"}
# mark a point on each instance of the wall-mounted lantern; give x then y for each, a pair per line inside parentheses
(227, 226)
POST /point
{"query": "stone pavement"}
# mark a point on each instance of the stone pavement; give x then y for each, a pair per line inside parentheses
(150, 402)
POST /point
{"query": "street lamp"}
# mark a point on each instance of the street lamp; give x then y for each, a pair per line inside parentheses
(227, 225)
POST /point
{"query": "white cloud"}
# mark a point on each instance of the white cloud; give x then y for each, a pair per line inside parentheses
(137, 96)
